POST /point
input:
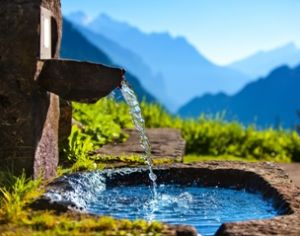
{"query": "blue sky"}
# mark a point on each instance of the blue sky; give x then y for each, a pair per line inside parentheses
(223, 30)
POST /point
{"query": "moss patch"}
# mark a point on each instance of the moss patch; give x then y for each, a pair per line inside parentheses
(198, 158)
(130, 160)
(48, 223)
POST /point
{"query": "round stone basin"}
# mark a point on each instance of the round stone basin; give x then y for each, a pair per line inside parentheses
(222, 198)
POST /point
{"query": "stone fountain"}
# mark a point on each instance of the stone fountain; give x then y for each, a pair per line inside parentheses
(36, 86)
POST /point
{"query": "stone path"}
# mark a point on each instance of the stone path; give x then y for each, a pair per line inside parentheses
(293, 170)
(165, 143)
(168, 143)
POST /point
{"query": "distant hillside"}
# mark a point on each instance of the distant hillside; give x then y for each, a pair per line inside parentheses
(131, 62)
(273, 100)
(261, 63)
(76, 46)
(183, 68)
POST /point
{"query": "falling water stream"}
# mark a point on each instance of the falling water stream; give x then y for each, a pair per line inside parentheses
(139, 124)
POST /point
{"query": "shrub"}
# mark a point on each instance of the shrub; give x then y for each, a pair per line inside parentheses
(15, 193)
(105, 120)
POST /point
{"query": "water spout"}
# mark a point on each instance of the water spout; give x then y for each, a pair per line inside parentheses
(79, 81)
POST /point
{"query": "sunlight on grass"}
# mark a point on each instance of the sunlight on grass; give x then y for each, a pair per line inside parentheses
(204, 136)
(198, 158)
(129, 159)
(16, 218)
(15, 194)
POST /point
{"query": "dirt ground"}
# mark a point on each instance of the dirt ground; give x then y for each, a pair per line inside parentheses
(293, 170)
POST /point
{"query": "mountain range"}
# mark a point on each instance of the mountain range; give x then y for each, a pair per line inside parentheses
(76, 46)
(178, 65)
(128, 59)
(273, 100)
(261, 63)
(173, 71)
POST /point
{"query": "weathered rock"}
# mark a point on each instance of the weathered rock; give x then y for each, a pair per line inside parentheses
(79, 81)
(29, 114)
(44, 204)
(179, 230)
(283, 225)
(165, 143)
(293, 170)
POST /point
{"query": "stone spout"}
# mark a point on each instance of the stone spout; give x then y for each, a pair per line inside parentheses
(79, 81)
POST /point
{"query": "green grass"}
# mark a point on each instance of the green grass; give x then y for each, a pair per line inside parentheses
(104, 122)
(15, 194)
(129, 160)
(47, 223)
(198, 158)
(16, 218)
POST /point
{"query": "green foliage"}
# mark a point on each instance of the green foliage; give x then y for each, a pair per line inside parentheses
(47, 223)
(105, 120)
(155, 116)
(79, 145)
(87, 225)
(217, 137)
(15, 193)
(198, 158)
(128, 159)
(77, 151)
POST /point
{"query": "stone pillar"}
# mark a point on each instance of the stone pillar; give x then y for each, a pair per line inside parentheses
(32, 120)
(29, 115)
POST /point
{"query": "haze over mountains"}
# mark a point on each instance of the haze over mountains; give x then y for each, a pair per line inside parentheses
(174, 60)
(173, 71)
(261, 63)
(76, 46)
(126, 58)
(273, 100)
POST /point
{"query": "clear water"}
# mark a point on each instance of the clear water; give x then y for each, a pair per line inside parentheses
(139, 124)
(204, 208)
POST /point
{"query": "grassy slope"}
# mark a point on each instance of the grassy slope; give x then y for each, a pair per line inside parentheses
(198, 158)
(204, 136)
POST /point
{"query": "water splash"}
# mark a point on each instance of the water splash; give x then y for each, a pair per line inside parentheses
(77, 190)
(139, 124)
(101, 193)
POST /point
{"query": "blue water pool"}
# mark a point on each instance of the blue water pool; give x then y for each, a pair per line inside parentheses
(204, 208)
